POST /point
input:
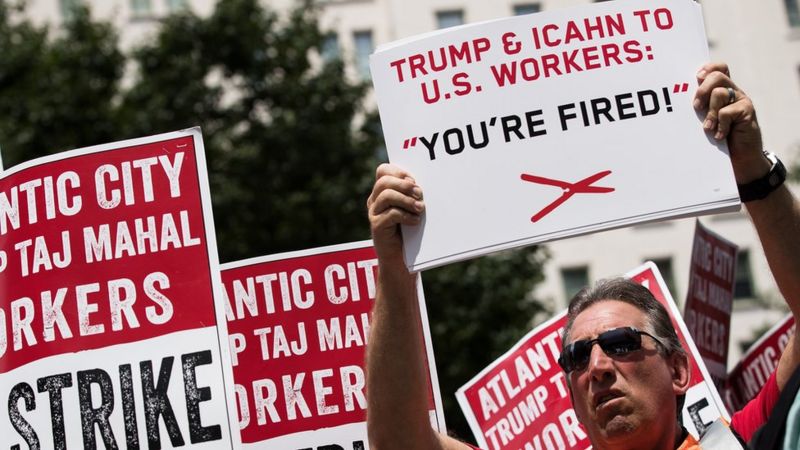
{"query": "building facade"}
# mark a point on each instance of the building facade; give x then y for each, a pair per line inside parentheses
(760, 41)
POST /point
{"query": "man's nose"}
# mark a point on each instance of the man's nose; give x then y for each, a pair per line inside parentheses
(600, 365)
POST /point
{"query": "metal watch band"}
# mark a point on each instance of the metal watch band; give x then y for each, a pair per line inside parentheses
(762, 187)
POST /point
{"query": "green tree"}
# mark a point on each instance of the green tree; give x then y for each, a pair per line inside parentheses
(273, 122)
(477, 310)
(57, 93)
(290, 149)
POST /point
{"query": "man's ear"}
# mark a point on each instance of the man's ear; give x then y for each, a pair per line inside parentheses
(681, 372)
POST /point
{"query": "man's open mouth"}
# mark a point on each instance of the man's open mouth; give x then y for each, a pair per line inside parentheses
(605, 397)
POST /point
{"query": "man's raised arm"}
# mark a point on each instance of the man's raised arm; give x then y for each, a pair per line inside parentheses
(777, 216)
(397, 392)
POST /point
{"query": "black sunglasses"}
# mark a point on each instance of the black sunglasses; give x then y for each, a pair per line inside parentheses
(616, 342)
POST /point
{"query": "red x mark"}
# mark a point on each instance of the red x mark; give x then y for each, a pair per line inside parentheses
(583, 186)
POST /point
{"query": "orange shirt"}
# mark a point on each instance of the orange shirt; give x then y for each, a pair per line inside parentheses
(690, 443)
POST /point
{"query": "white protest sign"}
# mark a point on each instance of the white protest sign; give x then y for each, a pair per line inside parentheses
(112, 323)
(522, 400)
(543, 126)
(299, 324)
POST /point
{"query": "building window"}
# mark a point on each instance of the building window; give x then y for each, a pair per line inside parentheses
(665, 267)
(743, 282)
(793, 12)
(68, 8)
(363, 46)
(526, 8)
(447, 19)
(330, 47)
(141, 8)
(176, 5)
(575, 279)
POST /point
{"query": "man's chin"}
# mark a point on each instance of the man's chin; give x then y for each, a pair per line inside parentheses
(620, 428)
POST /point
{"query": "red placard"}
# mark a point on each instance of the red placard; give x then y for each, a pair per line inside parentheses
(756, 366)
(709, 300)
(522, 400)
(108, 323)
(299, 323)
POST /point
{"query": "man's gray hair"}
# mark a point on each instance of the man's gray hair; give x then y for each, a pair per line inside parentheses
(627, 291)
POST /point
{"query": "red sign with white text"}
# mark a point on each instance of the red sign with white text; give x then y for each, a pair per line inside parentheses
(756, 366)
(108, 323)
(522, 398)
(299, 323)
(709, 300)
(522, 401)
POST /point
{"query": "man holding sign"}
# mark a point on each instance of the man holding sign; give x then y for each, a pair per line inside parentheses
(626, 388)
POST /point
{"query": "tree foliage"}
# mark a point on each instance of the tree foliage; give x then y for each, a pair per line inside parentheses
(290, 149)
(288, 169)
(56, 93)
(477, 310)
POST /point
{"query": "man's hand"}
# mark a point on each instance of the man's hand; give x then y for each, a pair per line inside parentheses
(395, 200)
(730, 115)
(397, 399)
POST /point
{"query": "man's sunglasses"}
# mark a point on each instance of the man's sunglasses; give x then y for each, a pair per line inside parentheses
(616, 342)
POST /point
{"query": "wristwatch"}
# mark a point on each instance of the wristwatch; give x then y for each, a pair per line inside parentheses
(760, 188)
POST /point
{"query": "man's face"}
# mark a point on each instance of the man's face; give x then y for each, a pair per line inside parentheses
(625, 400)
